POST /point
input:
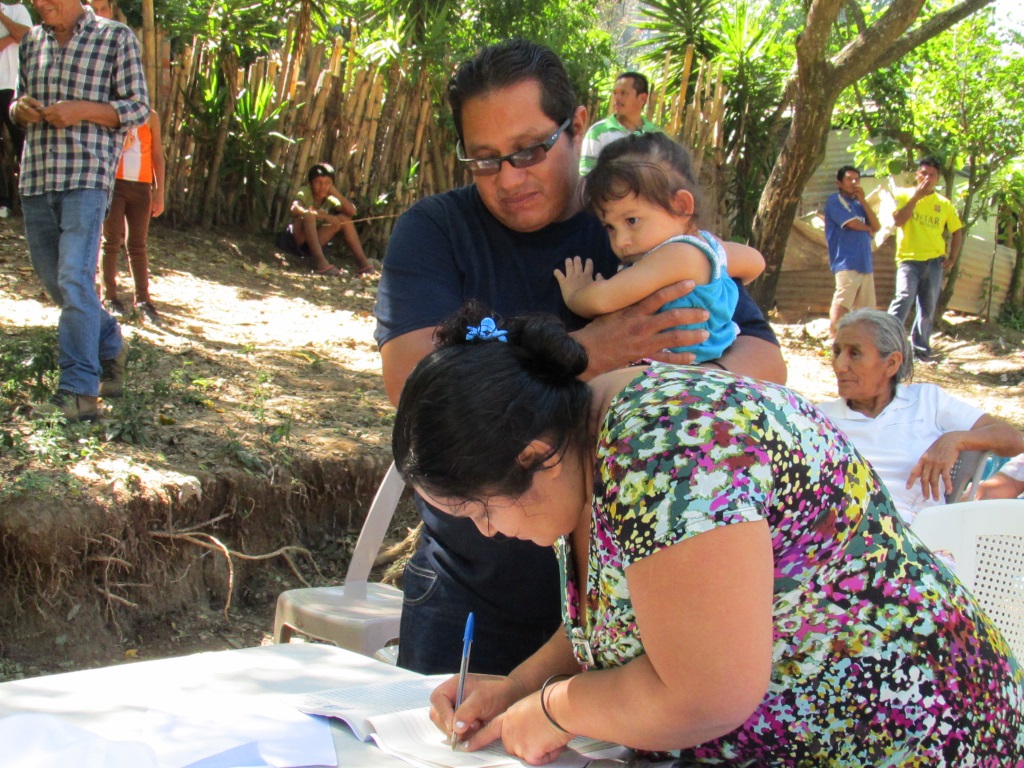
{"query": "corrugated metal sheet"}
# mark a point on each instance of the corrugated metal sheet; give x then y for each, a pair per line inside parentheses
(806, 284)
(979, 269)
(823, 183)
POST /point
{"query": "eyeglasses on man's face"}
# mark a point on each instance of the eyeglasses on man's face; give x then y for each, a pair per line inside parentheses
(522, 158)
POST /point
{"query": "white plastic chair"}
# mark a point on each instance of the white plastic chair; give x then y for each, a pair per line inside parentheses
(986, 541)
(967, 473)
(358, 615)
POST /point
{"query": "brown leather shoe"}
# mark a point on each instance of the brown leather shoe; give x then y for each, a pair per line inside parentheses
(71, 406)
(112, 373)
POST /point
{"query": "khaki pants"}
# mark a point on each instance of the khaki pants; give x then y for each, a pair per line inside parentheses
(854, 290)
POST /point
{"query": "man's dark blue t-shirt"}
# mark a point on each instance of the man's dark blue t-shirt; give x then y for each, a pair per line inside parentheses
(443, 251)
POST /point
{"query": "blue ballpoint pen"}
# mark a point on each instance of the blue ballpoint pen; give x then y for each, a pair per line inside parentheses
(467, 644)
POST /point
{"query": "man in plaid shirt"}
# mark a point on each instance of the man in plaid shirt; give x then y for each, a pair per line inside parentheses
(81, 86)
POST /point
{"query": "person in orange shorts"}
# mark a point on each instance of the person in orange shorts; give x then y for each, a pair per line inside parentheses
(138, 197)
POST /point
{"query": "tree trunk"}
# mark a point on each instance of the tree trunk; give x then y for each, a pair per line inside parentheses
(802, 153)
(966, 216)
(819, 81)
(1013, 296)
(949, 286)
(228, 68)
(150, 54)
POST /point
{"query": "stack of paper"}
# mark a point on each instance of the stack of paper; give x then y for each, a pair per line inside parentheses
(396, 717)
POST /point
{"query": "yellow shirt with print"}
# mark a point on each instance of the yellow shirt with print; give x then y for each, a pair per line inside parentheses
(920, 239)
(304, 197)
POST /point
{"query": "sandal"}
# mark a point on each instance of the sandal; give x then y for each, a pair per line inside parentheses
(367, 271)
(329, 271)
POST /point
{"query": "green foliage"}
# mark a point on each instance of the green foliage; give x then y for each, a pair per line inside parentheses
(206, 108)
(675, 24)
(33, 482)
(28, 364)
(1012, 316)
(28, 373)
(755, 49)
(568, 28)
(52, 442)
(956, 97)
(249, 28)
(1006, 197)
(250, 139)
(752, 41)
(439, 34)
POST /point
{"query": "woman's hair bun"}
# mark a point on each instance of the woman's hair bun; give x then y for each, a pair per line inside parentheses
(538, 340)
(454, 328)
(548, 349)
(470, 407)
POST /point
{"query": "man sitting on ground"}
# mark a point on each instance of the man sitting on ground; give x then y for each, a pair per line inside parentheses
(319, 212)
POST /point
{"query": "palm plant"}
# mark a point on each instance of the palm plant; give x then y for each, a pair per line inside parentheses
(752, 42)
(248, 170)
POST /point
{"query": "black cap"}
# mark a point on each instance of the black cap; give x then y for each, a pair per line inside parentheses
(320, 169)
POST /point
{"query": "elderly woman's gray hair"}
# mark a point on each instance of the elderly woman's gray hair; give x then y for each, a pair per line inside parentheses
(888, 335)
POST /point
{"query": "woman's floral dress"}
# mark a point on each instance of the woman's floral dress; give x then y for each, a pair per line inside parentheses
(881, 658)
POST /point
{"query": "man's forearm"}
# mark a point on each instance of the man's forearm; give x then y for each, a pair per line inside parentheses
(71, 112)
(904, 214)
(872, 219)
(16, 30)
(101, 113)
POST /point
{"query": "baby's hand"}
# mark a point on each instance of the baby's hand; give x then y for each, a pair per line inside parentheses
(578, 275)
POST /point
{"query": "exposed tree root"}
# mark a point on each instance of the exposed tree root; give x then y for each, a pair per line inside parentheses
(211, 542)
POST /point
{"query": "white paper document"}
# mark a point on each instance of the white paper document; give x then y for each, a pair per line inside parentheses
(355, 706)
(396, 716)
(185, 732)
(46, 741)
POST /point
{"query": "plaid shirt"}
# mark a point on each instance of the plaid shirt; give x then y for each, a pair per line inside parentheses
(101, 62)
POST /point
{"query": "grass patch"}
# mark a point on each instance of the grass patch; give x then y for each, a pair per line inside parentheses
(163, 387)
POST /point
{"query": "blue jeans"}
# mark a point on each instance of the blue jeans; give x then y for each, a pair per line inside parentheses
(918, 283)
(434, 622)
(63, 232)
(455, 570)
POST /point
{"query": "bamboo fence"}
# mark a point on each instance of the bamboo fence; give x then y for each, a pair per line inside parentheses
(383, 129)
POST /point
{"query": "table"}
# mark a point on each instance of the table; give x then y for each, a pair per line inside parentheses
(115, 702)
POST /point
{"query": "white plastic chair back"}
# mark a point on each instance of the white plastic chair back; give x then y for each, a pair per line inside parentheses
(986, 541)
(359, 616)
(375, 527)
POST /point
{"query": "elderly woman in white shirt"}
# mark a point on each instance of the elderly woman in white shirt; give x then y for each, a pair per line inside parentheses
(911, 434)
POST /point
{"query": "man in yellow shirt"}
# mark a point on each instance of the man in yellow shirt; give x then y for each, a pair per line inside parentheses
(922, 218)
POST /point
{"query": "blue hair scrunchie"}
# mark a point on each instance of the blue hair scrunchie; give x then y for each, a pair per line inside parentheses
(486, 331)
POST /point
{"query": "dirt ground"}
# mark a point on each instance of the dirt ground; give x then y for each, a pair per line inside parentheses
(260, 371)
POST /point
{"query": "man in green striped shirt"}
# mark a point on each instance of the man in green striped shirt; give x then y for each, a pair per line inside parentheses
(629, 97)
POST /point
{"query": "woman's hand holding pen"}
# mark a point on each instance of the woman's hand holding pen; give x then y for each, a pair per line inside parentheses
(525, 731)
(486, 697)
